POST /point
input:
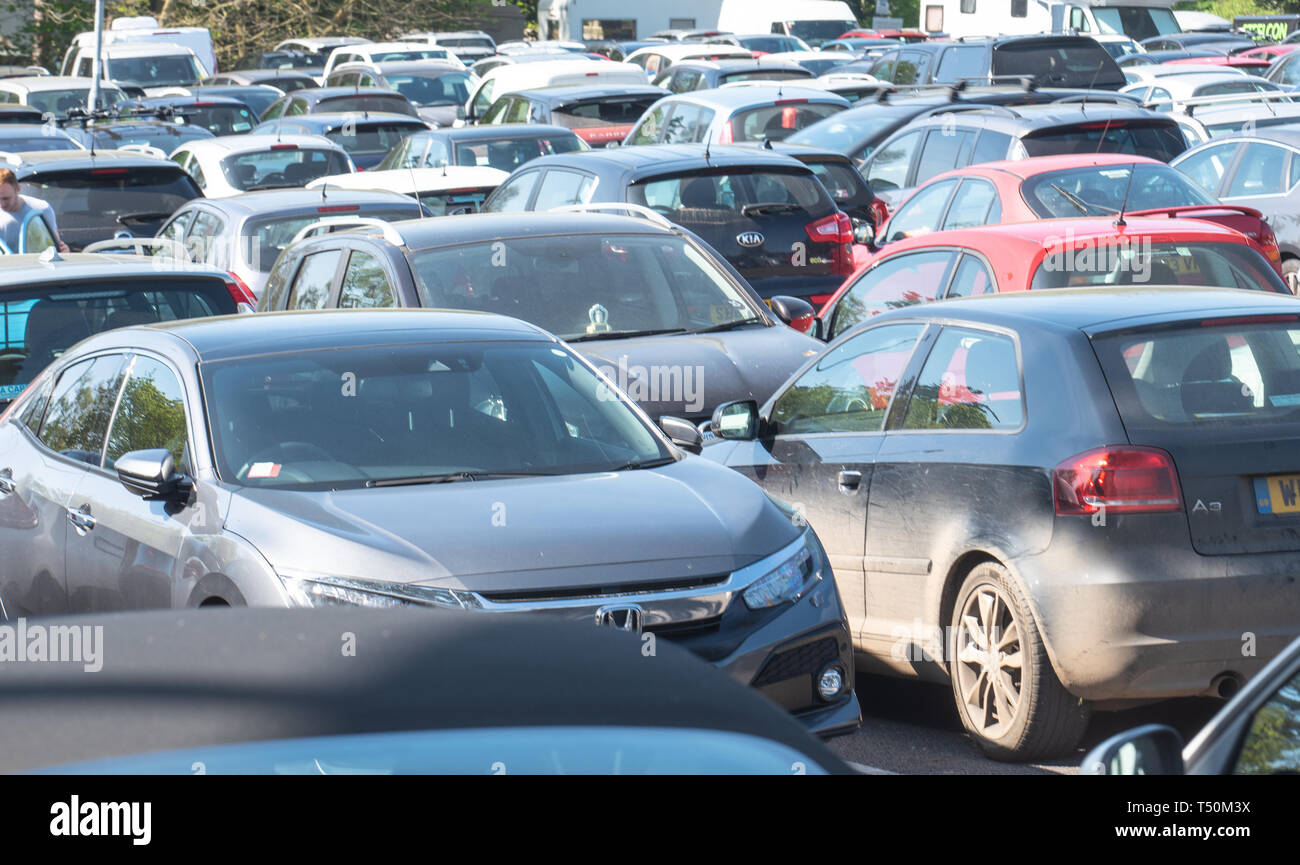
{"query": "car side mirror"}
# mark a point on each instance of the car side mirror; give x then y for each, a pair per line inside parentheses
(151, 475)
(793, 311)
(737, 420)
(1153, 749)
(682, 433)
(864, 232)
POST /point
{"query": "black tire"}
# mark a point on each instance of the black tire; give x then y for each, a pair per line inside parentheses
(1046, 720)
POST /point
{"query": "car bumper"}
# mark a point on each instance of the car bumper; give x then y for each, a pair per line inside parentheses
(1148, 618)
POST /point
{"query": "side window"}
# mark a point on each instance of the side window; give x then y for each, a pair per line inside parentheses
(364, 284)
(311, 289)
(648, 130)
(1207, 166)
(971, 380)
(942, 147)
(685, 126)
(277, 283)
(920, 214)
(200, 240)
(685, 80)
(518, 110)
(80, 405)
(513, 195)
(1157, 94)
(1259, 172)
(976, 203)
(1294, 175)
(887, 167)
(276, 109)
(150, 414)
(1291, 73)
(903, 280)
(913, 67)
(991, 147)
(296, 107)
(34, 408)
(562, 187)
(496, 114)
(850, 387)
(885, 66)
(1272, 744)
(971, 278)
(175, 230)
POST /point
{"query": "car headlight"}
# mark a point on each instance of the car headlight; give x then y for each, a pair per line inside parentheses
(787, 581)
(319, 590)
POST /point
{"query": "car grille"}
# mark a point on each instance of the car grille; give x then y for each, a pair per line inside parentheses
(610, 591)
(799, 661)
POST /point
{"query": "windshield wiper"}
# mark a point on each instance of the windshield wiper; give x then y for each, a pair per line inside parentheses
(1079, 202)
(729, 325)
(452, 477)
(624, 334)
(769, 207)
(258, 186)
(643, 464)
(143, 216)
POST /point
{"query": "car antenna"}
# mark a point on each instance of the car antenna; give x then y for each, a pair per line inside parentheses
(1083, 106)
(1123, 205)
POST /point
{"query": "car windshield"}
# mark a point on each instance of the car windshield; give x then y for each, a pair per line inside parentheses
(816, 32)
(266, 237)
(219, 119)
(843, 182)
(1101, 190)
(40, 322)
(414, 54)
(844, 133)
(168, 70)
(448, 202)
(370, 139)
(286, 165)
(716, 198)
(426, 90)
(22, 142)
(771, 44)
(394, 104)
(623, 111)
(1059, 64)
(1136, 22)
(61, 101)
(163, 136)
(1160, 141)
(93, 203)
(1129, 260)
(465, 41)
(778, 121)
(443, 410)
(588, 285)
(762, 75)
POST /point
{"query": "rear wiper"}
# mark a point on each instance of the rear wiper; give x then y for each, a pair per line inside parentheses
(451, 477)
(729, 325)
(1079, 202)
(143, 216)
(769, 207)
(258, 186)
(624, 334)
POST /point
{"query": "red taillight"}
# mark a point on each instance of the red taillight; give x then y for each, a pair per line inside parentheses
(791, 102)
(284, 147)
(1233, 321)
(1267, 241)
(879, 212)
(1112, 124)
(104, 171)
(239, 291)
(837, 229)
(724, 137)
(1125, 479)
(202, 104)
(338, 208)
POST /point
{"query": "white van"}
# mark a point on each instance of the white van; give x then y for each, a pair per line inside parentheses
(154, 66)
(558, 73)
(813, 21)
(1136, 19)
(143, 29)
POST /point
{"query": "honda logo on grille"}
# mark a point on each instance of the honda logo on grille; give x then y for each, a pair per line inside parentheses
(749, 238)
(625, 617)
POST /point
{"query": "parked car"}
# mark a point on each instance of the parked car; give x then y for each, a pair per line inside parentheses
(244, 234)
(1173, 92)
(598, 114)
(546, 70)
(466, 45)
(961, 459)
(759, 43)
(655, 59)
(1049, 60)
(57, 94)
(367, 136)
(706, 74)
(504, 147)
(443, 191)
(767, 213)
(149, 65)
(456, 413)
(256, 97)
(147, 134)
(235, 164)
(284, 80)
(334, 100)
(384, 52)
(435, 87)
(51, 302)
(220, 115)
(104, 194)
(315, 51)
(1285, 71)
(727, 115)
(1210, 117)
(819, 62)
(1052, 254)
(1260, 171)
(20, 137)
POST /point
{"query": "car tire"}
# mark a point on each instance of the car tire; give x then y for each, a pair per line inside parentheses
(1291, 274)
(1015, 708)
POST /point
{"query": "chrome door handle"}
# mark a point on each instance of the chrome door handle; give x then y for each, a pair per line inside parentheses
(849, 481)
(81, 519)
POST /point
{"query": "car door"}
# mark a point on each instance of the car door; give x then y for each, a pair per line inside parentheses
(892, 282)
(948, 477)
(125, 553)
(827, 426)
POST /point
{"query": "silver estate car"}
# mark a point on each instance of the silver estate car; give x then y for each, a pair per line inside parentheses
(390, 458)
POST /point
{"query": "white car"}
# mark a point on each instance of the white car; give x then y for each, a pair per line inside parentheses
(1172, 93)
(56, 94)
(816, 62)
(560, 72)
(654, 59)
(154, 66)
(383, 52)
(443, 191)
(1149, 73)
(234, 164)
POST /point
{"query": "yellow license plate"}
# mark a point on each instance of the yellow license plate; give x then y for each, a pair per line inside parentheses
(1279, 494)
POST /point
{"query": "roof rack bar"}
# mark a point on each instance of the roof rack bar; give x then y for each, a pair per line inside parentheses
(607, 206)
(350, 223)
(173, 248)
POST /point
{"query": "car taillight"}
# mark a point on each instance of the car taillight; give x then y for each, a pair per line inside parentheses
(879, 211)
(339, 208)
(239, 291)
(724, 137)
(1267, 241)
(1124, 479)
(837, 229)
(284, 147)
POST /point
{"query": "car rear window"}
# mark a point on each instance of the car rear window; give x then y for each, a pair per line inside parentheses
(1100, 190)
(1137, 261)
(720, 194)
(22, 143)
(507, 154)
(1242, 370)
(371, 139)
(763, 75)
(449, 202)
(602, 112)
(39, 323)
(1161, 140)
(843, 182)
(87, 200)
(843, 133)
(1073, 63)
(395, 104)
(265, 238)
(780, 120)
(163, 136)
(289, 167)
(176, 70)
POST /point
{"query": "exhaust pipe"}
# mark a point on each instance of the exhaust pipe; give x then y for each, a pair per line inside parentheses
(1225, 685)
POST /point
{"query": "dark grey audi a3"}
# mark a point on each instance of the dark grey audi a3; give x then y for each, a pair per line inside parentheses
(388, 458)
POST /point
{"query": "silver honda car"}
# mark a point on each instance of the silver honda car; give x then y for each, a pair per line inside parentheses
(388, 458)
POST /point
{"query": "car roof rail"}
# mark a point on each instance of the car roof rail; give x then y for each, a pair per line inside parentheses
(332, 224)
(1106, 96)
(143, 246)
(1192, 103)
(614, 206)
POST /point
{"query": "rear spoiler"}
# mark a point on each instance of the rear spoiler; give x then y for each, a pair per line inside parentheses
(1193, 210)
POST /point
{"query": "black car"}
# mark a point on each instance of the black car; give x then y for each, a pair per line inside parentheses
(333, 100)
(642, 298)
(942, 141)
(765, 212)
(257, 97)
(100, 195)
(161, 135)
(1050, 61)
(1228, 43)
(703, 74)
(366, 136)
(19, 137)
(1054, 500)
(846, 185)
(505, 147)
(435, 87)
(599, 114)
(220, 115)
(20, 114)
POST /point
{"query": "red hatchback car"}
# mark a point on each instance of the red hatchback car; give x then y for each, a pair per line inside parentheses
(1068, 187)
(1058, 253)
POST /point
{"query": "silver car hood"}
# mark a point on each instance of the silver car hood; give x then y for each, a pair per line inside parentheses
(685, 521)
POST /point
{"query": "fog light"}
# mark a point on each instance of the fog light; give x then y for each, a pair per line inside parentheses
(831, 682)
